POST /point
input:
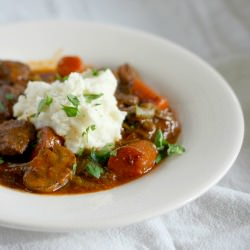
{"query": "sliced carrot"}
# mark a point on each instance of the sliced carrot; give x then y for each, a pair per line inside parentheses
(143, 91)
(133, 159)
(69, 64)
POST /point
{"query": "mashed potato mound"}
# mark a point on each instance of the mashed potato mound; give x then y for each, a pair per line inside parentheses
(98, 120)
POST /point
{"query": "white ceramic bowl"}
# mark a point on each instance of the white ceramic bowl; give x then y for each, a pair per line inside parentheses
(211, 117)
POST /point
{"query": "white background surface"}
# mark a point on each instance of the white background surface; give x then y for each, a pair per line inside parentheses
(219, 32)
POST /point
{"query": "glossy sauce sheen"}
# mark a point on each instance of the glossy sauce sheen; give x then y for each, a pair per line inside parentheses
(135, 152)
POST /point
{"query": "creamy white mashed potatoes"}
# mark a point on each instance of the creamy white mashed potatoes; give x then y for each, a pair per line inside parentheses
(98, 120)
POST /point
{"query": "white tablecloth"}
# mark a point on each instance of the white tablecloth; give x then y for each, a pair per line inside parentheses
(217, 30)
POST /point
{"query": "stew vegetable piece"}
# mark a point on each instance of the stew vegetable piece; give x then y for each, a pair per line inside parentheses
(133, 159)
(38, 160)
(50, 170)
(69, 64)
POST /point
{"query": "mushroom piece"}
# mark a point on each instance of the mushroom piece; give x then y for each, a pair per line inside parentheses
(50, 170)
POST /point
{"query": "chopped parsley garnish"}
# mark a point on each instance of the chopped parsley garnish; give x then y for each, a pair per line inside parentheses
(160, 141)
(97, 157)
(165, 148)
(9, 96)
(159, 158)
(70, 111)
(61, 78)
(101, 155)
(95, 72)
(87, 130)
(175, 149)
(2, 107)
(94, 169)
(91, 97)
(74, 167)
(80, 152)
(74, 100)
(44, 103)
(1, 160)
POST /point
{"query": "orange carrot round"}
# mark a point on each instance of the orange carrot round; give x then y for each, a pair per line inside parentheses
(134, 159)
(69, 64)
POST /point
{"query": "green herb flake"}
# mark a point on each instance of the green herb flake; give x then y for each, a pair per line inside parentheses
(87, 130)
(175, 149)
(94, 169)
(158, 158)
(9, 96)
(74, 167)
(80, 152)
(161, 155)
(2, 107)
(95, 72)
(91, 127)
(61, 78)
(74, 100)
(44, 103)
(1, 160)
(101, 155)
(70, 111)
(113, 152)
(165, 148)
(160, 141)
(91, 97)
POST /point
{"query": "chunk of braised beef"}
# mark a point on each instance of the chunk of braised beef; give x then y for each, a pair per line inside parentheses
(8, 96)
(126, 74)
(13, 72)
(13, 79)
(15, 136)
